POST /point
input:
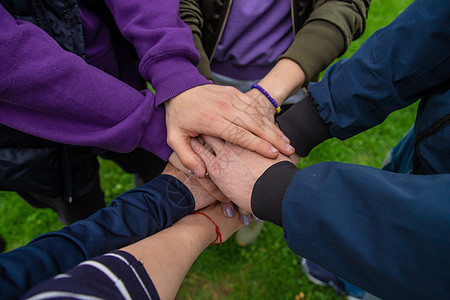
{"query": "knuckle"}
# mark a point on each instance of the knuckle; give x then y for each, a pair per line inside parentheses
(197, 149)
(237, 135)
(223, 106)
(171, 140)
(230, 89)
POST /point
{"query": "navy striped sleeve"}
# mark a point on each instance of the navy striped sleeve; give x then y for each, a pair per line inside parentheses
(115, 275)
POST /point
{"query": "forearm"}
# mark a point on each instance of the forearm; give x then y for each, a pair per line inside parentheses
(191, 13)
(53, 94)
(285, 78)
(315, 47)
(351, 99)
(395, 67)
(388, 224)
(151, 268)
(163, 43)
(129, 218)
(303, 125)
(326, 34)
(168, 255)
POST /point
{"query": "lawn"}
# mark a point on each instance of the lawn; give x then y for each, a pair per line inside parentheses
(266, 269)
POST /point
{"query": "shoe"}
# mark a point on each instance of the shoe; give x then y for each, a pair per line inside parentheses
(248, 234)
(322, 277)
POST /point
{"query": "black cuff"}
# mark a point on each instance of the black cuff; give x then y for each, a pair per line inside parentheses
(303, 125)
(268, 192)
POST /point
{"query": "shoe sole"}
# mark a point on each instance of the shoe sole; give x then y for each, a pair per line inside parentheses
(330, 284)
(305, 270)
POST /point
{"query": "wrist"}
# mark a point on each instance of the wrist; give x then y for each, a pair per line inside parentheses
(268, 97)
(285, 78)
(198, 231)
(269, 189)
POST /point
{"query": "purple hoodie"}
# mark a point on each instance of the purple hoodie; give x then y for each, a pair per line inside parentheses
(51, 93)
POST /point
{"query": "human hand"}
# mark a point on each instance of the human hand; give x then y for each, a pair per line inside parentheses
(212, 189)
(260, 101)
(206, 183)
(201, 196)
(223, 112)
(233, 169)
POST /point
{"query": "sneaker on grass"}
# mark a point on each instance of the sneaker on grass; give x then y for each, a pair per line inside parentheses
(322, 277)
(248, 234)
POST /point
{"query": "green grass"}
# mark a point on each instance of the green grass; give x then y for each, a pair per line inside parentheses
(267, 269)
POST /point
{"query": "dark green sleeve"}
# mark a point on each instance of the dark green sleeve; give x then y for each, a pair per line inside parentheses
(326, 34)
(192, 15)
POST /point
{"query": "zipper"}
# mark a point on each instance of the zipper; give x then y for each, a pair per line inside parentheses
(221, 30)
(38, 11)
(292, 17)
(432, 129)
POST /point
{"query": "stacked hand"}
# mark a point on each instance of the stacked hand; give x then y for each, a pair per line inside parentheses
(248, 143)
(204, 190)
(222, 112)
(232, 168)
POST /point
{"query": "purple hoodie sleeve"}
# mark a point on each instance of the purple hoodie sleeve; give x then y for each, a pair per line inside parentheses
(51, 93)
(163, 42)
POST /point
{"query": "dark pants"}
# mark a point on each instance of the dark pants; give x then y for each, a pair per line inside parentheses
(142, 164)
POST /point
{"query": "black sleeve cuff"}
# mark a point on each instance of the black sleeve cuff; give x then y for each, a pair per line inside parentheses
(303, 125)
(268, 192)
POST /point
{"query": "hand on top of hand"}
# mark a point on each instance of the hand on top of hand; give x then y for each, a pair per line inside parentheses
(232, 168)
(201, 196)
(204, 190)
(264, 104)
(193, 181)
(223, 112)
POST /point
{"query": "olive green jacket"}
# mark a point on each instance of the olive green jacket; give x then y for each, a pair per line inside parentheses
(323, 30)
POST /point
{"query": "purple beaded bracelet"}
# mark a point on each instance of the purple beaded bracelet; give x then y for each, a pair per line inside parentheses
(277, 107)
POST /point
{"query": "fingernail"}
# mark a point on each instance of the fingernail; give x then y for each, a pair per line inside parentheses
(245, 220)
(229, 212)
(207, 174)
(286, 139)
(289, 148)
(273, 149)
(190, 172)
(255, 218)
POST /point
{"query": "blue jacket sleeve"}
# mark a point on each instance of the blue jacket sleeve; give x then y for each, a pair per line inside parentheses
(385, 232)
(130, 217)
(395, 67)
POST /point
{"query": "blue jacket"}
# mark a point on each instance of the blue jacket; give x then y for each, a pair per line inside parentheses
(130, 217)
(387, 233)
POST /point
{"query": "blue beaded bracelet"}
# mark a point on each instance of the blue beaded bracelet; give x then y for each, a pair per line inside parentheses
(277, 107)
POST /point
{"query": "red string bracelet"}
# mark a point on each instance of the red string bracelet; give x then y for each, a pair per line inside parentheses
(219, 235)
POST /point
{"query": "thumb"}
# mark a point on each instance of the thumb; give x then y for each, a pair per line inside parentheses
(187, 156)
(206, 155)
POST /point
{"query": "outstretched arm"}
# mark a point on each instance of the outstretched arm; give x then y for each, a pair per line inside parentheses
(168, 255)
(53, 94)
(130, 217)
(338, 215)
(222, 112)
(154, 266)
(168, 58)
(324, 36)
(395, 67)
